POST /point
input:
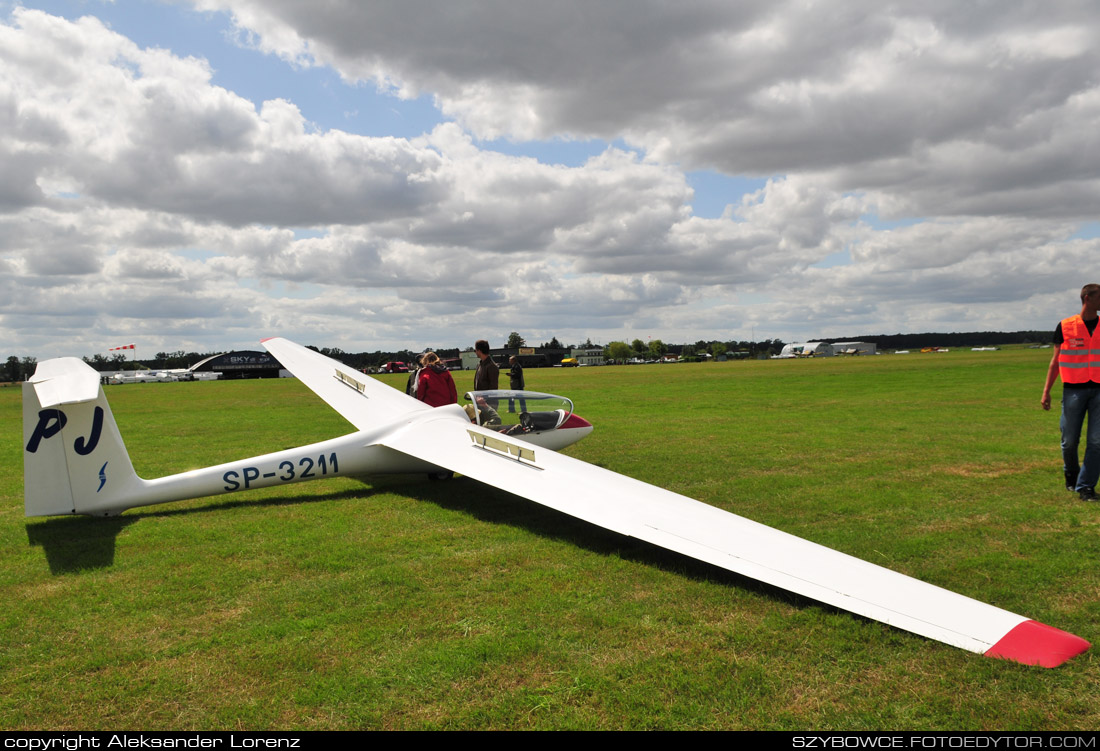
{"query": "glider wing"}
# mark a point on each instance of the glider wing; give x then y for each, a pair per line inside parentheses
(360, 399)
(709, 534)
(444, 437)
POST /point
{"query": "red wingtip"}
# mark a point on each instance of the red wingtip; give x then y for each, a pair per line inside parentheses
(1034, 643)
(268, 339)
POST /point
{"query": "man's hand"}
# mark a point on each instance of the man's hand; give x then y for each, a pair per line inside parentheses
(1052, 375)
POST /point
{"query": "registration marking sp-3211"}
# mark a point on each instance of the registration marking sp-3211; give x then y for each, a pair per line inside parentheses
(286, 471)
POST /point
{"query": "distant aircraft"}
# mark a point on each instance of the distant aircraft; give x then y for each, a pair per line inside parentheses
(75, 463)
(140, 376)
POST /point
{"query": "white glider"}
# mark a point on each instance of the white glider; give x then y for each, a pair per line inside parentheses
(75, 463)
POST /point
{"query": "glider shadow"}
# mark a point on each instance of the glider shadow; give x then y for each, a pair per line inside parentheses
(495, 506)
(80, 543)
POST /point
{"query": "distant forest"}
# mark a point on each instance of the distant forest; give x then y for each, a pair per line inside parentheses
(15, 368)
(181, 359)
(970, 339)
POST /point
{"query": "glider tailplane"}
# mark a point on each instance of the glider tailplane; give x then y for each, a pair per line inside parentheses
(74, 460)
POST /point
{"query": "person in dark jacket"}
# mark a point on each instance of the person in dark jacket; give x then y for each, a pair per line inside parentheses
(516, 383)
(487, 375)
(414, 374)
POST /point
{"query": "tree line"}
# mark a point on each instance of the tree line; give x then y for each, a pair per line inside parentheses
(933, 339)
(655, 349)
(16, 368)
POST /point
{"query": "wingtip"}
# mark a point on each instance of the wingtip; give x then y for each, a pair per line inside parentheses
(1034, 643)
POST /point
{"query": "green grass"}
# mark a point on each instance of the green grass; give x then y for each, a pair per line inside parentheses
(399, 603)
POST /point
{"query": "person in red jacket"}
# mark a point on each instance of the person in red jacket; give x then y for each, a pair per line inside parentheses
(434, 385)
(1076, 361)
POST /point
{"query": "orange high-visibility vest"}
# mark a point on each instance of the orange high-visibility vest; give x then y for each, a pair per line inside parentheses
(1079, 357)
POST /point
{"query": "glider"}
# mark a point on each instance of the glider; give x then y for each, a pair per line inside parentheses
(75, 462)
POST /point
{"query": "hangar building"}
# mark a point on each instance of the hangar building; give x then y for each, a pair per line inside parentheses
(243, 364)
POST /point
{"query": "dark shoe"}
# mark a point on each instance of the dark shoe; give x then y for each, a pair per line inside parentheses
(1071, 481)
(1087, 494)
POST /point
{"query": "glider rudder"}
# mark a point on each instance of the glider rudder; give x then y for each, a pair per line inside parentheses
(74, 460)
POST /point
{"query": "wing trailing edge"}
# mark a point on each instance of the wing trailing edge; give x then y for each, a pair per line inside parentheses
(732, 542)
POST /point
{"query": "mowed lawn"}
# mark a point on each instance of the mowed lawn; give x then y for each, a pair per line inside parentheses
(399, 603)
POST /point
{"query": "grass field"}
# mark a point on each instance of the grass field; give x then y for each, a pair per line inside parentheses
(398, 603)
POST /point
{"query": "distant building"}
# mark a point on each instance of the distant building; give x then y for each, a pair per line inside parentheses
(587, 355)
(469, 360)
(529, 357)
(244, 364)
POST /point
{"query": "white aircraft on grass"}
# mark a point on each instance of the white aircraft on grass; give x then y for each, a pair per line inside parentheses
(75, 463)
(142, 377)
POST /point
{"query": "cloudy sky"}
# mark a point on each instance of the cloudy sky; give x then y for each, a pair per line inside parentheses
(200, 175)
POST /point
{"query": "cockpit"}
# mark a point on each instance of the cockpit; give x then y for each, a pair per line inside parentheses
(520, 412)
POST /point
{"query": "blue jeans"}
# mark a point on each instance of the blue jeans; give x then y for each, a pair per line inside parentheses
(1076, 403)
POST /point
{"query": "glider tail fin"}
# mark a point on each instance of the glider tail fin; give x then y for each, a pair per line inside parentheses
(74, 460)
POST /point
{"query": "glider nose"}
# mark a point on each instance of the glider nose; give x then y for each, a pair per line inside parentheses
(575, 421)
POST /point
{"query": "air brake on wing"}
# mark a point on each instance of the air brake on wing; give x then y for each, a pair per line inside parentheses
(524, 456)
(347, 380)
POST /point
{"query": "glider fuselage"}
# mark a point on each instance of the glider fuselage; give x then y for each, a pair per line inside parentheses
(84, 433)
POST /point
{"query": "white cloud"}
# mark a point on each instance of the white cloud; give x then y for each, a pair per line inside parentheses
(747, 87)
(140, 198)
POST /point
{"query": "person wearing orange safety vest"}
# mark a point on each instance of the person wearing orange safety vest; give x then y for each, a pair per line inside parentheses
(1076, 361)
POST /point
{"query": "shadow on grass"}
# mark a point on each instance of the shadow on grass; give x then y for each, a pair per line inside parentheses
(78, 543)
(494, 506)
(73, 544)
(266, 502)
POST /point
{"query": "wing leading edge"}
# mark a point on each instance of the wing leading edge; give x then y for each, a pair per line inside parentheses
(360, 399)
(709, 534)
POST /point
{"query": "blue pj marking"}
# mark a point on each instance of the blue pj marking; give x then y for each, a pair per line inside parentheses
(102, 477)
(84, 446)
(51, 422)
(306, 468)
